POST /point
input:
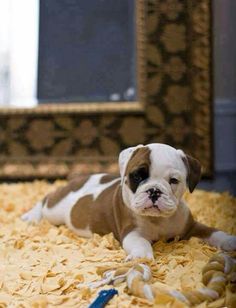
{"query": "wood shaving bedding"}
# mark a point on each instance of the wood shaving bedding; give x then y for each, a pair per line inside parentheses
(46, 266)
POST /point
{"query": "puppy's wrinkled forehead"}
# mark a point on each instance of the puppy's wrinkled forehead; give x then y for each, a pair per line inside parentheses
(140, 157)
(164, 157)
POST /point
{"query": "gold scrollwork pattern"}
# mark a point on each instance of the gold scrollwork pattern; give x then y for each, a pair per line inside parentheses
(177, 110)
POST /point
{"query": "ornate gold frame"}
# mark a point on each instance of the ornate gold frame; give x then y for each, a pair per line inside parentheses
(52, 140)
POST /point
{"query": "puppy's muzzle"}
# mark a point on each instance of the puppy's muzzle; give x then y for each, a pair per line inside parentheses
(154, 194)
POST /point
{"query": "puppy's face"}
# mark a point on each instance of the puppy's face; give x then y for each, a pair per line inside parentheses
(154, 178)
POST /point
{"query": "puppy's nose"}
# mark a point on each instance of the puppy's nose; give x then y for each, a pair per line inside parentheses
(154, 194)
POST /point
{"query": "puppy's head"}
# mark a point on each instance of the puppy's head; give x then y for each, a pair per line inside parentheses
(154, 178)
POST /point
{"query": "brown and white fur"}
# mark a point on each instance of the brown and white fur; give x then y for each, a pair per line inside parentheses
(140, 207)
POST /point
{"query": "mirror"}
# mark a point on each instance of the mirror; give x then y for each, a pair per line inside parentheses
(96, 51)
(70, 52)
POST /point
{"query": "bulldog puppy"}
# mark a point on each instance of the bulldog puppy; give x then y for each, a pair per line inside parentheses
(140, 207)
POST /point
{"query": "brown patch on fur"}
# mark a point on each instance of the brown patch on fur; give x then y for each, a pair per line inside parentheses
(108, 178)
(140, 157)
(81, 212)
(194, 171)
(202, 231)
(194, 228)
(75, 184)
(106, 214)
(74, 175)
(115, 213)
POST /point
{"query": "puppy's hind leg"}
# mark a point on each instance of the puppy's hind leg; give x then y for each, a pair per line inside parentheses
(35, 214)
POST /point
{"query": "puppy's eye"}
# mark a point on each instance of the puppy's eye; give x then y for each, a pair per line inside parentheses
(139, 175)
(174, 181)
(136, 177)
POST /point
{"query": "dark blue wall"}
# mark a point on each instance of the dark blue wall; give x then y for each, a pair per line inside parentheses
(87, 51)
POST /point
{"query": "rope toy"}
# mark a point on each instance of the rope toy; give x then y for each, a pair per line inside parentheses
(218, 277)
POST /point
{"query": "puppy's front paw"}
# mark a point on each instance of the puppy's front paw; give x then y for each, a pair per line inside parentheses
(137, 246)
(229, 244)
(222, 240)
(139, 253)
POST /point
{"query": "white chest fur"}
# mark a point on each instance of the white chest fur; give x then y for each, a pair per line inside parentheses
(163, 227)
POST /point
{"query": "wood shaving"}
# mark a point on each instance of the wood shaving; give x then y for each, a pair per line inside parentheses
(46, 266)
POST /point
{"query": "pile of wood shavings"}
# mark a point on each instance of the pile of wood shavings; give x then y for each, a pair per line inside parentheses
(46, 266)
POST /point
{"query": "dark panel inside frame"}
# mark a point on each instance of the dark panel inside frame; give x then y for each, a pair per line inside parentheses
(87, 51)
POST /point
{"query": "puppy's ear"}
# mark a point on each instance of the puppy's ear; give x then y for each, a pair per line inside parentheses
(124, 158)
(193, 170)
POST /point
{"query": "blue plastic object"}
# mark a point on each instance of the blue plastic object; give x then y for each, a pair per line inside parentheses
(103, 298)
